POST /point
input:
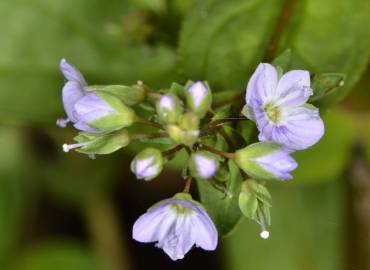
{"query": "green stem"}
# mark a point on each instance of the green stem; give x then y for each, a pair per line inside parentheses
(148, 136)
(173, 150)
(148, 122)
(188, 184)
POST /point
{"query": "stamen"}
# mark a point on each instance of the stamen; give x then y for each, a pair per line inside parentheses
(62, 122)
(67, 147)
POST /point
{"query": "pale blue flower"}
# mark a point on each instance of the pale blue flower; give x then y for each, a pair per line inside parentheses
(279, 107)
(176, 225)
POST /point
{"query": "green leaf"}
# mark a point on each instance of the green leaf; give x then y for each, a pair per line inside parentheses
(223, 210)
(283, 60)
(222, 41)
(248, 202)
(37, 34)
(323, 41)
(59, 256)
(325, 84)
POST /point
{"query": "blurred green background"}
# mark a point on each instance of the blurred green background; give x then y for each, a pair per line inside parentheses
(66, 212)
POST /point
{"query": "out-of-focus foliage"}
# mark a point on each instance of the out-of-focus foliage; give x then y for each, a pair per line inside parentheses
(58, 255)
(159, 41)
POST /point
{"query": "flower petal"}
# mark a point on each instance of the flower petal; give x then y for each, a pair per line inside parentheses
(262, 84)
(71, 73)
(90, 108)
(150, 226)
(71, 93)
(205, 232)
(294, 88)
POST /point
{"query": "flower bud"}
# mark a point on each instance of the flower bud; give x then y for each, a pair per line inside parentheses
(187, 137)
(266, 161)
(102, 112)
(189, 121)
(101, 144)
(147, 164)
(130, 95)
(203, 165)
(199, 98)
(169, 108)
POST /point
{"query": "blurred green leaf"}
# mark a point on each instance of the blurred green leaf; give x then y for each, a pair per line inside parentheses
(37, 34)
(14, 188)
(303, 217)
(223, 210)
(58, 255)
(329, 36)
(222, 41)
(329, 157)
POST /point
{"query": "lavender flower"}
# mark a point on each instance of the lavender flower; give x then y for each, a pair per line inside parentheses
(176, 224)
(266, 161)
(85, 108)
(203, 165)
(279, 107)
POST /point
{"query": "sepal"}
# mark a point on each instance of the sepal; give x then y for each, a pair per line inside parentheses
(147, 164)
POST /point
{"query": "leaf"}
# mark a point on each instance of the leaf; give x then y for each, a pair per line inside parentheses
(325, 84)
(58, 255)
(322, 41)
(248, 203)
(224, 211)
(222, 41)
(37, 34)
(283, 60)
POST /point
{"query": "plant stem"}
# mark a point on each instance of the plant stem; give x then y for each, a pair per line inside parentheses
(219, 122)
(148, 136)
(227, 139)
(188, 184)
(217, 152)
(173, 150)
(148, 122)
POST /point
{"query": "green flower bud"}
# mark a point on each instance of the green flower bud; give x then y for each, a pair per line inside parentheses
(130, 95)
(148, 164)
(101, 144)
(189, 121)
(199, 98)
(265, 161)
(187, 137)
(115, 116)
(169, 108)
(203, 164)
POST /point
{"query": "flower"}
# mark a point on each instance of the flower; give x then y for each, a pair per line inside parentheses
(86, 108)
(203, 165)
(279, 107)
(266, 161)
(176, 224)
(147, 164)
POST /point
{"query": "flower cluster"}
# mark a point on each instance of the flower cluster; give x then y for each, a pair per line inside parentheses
(185, 117)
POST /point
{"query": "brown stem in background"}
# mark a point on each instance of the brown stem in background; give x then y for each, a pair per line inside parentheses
(105, 235)
(281, 23)
(358, 211)
(227, 139)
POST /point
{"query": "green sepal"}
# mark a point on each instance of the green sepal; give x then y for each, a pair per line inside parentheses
(248, 202)
(130, 95)
(157, 162)
(122, 115)
(245, 159)
(189, 121)
(204, 105)
(326, 83)
(248, 112)
(167, 116)
(282, 61)
(102, 144)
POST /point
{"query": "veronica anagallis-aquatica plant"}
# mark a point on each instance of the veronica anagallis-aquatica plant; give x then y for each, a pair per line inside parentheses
(221, 138)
